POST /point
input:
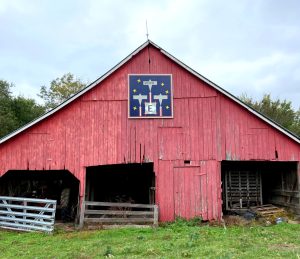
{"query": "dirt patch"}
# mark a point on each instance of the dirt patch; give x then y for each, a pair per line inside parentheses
(284, 247)
(66, 227)
(233, 220)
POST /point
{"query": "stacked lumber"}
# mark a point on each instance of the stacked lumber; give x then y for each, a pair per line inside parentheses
(269, 212)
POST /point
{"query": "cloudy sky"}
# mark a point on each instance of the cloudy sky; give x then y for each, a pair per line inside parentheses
(249, 46)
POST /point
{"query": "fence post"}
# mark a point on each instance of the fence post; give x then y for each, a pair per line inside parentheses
(24, 210)
(155, 218)
(82, 211)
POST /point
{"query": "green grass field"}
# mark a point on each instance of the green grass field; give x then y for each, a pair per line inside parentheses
(178, 240)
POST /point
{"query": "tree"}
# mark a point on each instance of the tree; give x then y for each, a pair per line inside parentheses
(26, 110)
(279, 111)
(60, 90)
(7, 116)
(15, 111)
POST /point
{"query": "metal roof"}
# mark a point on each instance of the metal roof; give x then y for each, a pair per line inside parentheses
(148, 42)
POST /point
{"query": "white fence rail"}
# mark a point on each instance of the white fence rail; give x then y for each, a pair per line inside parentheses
(27, 214)
(118, 213)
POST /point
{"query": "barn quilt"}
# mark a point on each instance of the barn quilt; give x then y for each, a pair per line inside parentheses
(150, 96)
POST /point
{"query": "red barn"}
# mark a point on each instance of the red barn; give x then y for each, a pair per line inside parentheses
(193, 149)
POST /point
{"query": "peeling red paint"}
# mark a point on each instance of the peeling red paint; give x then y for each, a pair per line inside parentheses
(207, 128)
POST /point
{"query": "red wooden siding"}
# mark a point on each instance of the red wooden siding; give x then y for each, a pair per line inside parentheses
(245, 137)
(207, 128)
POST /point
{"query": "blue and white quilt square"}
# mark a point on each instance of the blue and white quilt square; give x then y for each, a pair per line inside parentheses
(150, 96)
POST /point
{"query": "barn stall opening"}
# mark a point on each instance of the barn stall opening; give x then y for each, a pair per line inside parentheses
(59, 185)
(248, 184)
(128, 183)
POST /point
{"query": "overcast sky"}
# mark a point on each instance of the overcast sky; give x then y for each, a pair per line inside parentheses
(250, 47)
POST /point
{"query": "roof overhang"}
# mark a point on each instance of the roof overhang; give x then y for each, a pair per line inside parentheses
(125, 60)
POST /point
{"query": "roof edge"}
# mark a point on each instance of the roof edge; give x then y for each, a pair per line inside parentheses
(77, 95)
(234, 98)
(126, 59)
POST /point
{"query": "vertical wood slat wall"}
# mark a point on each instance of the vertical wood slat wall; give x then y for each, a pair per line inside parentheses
(95, 130)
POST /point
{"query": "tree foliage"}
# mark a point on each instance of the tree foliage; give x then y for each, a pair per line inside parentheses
(7, 117)
(26, 110)
(279, 111)
(60, 90)
(15, 111)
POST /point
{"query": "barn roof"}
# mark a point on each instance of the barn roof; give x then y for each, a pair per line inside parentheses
(96, 82)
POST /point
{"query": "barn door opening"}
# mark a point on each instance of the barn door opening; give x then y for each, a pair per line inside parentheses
(59, 185)
(126, 183)
(254, 183)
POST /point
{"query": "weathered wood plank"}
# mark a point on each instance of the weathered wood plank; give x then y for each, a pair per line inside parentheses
(116, 204)
(82, 212)
(118, 212)
(118, 220)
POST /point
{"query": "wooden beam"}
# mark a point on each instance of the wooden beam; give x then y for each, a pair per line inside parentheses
(119, 212)
(82, 211)
(118, 220)
(116, 204)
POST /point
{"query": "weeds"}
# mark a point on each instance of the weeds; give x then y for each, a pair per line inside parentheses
(181, 239)
(108, 252)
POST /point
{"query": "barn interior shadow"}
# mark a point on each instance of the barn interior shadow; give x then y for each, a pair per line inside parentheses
(48, 184)
(248, 184)
(129, 183)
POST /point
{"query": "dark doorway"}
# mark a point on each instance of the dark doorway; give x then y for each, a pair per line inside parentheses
(133, 183)
(254, 183)
(44, 185)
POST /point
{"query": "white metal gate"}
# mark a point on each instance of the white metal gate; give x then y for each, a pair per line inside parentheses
(27, 214)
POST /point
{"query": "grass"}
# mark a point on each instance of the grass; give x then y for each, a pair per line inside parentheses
(178, 240)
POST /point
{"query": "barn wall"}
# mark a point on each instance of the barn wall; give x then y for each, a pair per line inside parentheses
(207, 128)
(245, 137)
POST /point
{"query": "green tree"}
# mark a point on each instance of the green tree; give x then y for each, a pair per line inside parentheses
(15, 111)
(279, 111)
(7, 117)
(60, 90)
(26, 110)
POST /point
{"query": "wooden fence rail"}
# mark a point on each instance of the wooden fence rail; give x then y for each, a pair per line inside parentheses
(119, 213)
(27, 214)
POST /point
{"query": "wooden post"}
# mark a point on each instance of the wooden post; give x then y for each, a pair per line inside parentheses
(155, 218)
(82, 211)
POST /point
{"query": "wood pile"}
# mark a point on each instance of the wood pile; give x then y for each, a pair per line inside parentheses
(269, 212)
